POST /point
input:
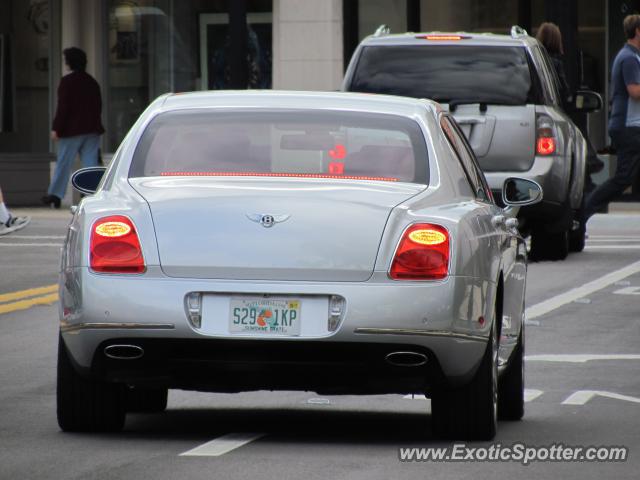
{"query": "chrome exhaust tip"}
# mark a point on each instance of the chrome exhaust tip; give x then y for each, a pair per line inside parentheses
(406, 359)
(124, 352)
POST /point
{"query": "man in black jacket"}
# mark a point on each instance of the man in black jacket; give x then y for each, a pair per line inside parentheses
(77, 125)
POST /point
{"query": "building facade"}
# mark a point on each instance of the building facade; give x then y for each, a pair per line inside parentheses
(139, 49)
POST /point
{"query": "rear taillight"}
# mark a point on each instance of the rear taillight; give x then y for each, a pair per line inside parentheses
(115, 246)
(545, 136)
(423, 254)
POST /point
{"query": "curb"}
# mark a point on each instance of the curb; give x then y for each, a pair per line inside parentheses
(41, 212)
(624, 207)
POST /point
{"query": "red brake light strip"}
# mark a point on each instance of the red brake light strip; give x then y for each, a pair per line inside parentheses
(267, 174)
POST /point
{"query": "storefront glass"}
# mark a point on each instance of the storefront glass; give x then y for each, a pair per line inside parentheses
(468, 15)
(373, 13)
(159, 46)
(25, 64)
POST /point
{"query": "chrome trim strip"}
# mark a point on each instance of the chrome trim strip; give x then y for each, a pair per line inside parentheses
(117, 326)
(418, 332)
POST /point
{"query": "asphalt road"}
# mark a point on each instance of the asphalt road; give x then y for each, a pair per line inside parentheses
(583, 385)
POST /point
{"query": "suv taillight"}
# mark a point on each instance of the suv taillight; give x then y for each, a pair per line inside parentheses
(422, 254)
(115, 246)
(545, 136)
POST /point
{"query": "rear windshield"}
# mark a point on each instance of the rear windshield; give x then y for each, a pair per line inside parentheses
(291, 143)
(445, 73)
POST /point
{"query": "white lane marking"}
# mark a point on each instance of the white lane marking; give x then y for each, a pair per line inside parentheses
(579, 358)
(622, 237)
(612, 247)
(221, 445)
(613, 240)
(51, 237)
(551, 304)
(3, 244)
(530, 394)
(628, 291)
(583, 396)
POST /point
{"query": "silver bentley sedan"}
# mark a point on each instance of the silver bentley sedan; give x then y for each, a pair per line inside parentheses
(332, 242)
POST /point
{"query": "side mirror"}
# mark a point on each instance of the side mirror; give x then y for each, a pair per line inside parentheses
(587, 101)
(86, 180)
(517, 192)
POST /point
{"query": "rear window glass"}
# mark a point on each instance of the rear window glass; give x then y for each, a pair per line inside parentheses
(464, 74)
(307, 144)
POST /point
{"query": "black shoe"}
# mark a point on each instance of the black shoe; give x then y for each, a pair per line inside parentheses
(51, 201)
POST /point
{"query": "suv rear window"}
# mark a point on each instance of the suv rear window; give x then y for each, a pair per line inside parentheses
(464, 74)
(291, 143)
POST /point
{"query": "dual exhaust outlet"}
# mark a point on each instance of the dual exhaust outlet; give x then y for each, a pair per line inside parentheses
(406, 359)
(397, 359)
(124, 352)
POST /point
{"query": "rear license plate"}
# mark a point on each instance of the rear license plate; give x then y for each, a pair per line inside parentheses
(267, 316)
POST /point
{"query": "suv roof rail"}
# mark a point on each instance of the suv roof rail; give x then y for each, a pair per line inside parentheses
(517, 32)
(382, 30)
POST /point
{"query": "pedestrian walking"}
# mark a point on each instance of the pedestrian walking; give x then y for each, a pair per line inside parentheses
(624, 120)
(77, 125)
(551, 39)
(9, 223)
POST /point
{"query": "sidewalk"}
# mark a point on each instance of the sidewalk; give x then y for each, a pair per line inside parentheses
(624, 207)
(41, 212)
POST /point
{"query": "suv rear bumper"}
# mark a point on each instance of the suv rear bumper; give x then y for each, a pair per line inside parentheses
(544, 171)
(549, 173)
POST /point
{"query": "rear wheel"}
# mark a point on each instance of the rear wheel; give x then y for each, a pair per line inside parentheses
(577, 239)
(86, 405)
(578, 236)
(511, 386)
(470, 412)
(147, 400)
(549, 246)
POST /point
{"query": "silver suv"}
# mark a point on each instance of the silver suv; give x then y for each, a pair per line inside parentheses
(503, 92)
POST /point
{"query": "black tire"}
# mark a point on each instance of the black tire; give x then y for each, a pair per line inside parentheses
(511, 386)
(147, 400)
(470, 412)
(86, 405)
(549, 246)
(578, 237)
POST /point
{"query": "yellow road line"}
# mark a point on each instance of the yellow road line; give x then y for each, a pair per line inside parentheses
(32, 292)
(24, 304)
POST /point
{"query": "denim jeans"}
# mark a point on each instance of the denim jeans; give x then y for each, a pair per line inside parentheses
(68, 147)
(627, 145)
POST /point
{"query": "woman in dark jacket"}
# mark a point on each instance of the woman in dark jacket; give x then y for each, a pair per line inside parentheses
(550, 37)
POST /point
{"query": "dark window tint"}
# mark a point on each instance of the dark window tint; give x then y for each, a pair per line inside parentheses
(287, 143)
(466, 74)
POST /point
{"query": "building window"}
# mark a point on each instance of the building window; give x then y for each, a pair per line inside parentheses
(25, 66)
(160, 46)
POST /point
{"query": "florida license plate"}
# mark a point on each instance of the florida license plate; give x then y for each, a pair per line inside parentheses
(267, 316)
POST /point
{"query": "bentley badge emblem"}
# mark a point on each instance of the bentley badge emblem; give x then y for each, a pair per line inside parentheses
(266, 220)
